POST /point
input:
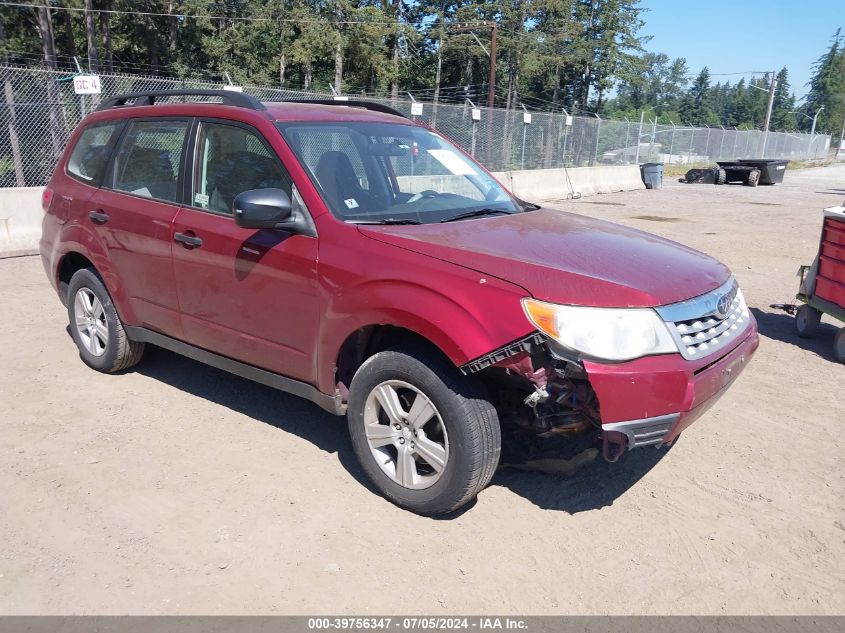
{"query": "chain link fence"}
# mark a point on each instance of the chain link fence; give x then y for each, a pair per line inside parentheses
(39, 111)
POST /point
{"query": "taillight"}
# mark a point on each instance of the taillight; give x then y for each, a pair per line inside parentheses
(46, 199)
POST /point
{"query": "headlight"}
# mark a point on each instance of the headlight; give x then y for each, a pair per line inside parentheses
(603, 333)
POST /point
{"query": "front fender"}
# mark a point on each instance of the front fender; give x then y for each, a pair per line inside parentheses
(466, 315)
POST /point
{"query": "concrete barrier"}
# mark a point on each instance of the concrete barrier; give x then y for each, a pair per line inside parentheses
(20, 220)
(453, 184)
(559, 184)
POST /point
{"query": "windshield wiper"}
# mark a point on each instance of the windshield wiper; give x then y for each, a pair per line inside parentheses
(526, 206)
(475, 213)
(386, 221)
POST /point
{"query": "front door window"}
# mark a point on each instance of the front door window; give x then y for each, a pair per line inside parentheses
(231, 160)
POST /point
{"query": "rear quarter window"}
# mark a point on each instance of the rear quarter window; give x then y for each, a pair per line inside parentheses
(92, 151)
(147, 163)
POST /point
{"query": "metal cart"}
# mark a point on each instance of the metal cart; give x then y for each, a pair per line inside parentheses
(822, 287)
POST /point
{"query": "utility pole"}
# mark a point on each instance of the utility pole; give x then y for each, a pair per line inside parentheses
(491, 82)
(812, 129)
(768, 114)
(469, 28)
(815, 118)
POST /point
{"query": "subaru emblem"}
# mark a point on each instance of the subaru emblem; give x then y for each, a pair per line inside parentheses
(723, 305)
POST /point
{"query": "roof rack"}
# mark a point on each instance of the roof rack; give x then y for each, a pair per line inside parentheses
(228, 97)
(352, 103)
(234, 98)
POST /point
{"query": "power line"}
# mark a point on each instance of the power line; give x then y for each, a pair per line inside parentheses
(747, 72)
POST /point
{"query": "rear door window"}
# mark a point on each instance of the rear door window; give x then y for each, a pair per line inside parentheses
(147, 163)
(92, 151)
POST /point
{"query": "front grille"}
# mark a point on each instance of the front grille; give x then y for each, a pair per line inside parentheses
(705, 324)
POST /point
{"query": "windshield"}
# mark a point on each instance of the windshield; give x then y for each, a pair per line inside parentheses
(393, 173)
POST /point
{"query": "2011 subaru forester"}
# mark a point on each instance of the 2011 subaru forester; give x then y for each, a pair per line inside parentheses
(340, 252)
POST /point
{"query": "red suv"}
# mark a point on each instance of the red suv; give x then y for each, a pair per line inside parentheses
(342, 253)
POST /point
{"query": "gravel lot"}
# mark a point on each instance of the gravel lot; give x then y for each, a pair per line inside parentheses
(176, 488)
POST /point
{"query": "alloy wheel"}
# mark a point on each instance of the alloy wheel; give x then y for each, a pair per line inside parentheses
(91, 324)
(406, 434)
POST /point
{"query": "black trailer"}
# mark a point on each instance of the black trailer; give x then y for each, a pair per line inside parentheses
(737, 171)
(771, 169)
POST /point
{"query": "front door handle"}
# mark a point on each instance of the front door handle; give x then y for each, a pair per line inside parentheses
(98, 217)
(189, 241)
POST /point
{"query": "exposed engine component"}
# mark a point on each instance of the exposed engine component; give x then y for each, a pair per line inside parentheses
(561, 401)
(540, 395)
(547, 406)
(569, 408)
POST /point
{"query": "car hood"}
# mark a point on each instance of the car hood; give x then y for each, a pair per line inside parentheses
(566, 258)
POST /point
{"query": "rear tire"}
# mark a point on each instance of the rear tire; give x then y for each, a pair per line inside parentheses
(95, 326)
(839, 346)
(721, 176)
(426, 436)
(807, 321)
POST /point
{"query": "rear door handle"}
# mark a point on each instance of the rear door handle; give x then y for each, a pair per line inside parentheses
(190, 241)
(99, 217)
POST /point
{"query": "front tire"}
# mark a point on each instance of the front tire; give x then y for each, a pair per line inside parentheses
(426, 436)
(96, 327)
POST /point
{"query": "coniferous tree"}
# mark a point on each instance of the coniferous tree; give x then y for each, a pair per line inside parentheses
(783, 117)
(827, 88)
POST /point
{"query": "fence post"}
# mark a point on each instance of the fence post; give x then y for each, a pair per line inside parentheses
(474, 122)
(627, 136)
(672, 142)
(81, 97)
(524, 132)
(14, 140)
(651, 143)
(565, 134)
(691, 139)
(548, 146)
(707, 143)
(721, 142)
(598, 135)
(639, 136)
(736, 138)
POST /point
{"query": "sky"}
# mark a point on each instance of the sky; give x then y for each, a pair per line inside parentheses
(744, 35)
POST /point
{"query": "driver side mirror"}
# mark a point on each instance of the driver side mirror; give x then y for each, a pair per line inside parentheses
(262, 209)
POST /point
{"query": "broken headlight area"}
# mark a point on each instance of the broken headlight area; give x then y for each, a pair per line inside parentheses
(548, 410)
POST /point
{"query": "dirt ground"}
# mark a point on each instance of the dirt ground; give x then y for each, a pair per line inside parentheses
(176, 488)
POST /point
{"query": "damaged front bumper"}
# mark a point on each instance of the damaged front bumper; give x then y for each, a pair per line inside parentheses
(645, 432)
(649, 401)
